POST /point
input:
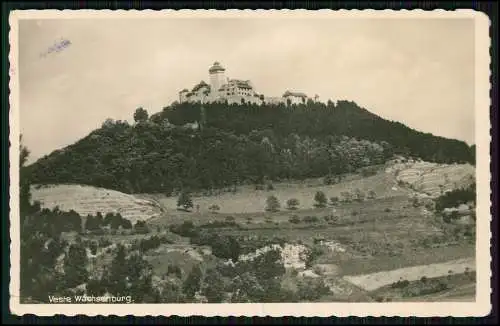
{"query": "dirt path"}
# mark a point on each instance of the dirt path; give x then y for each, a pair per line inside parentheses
(374, 281)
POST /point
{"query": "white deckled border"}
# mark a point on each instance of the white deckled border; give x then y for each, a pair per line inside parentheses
(482, 305)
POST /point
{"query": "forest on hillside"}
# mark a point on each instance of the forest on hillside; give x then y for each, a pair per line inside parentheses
(237, 144)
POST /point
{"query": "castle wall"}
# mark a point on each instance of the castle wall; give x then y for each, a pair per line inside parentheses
(294, 99)
(274, 100)
(236, 99)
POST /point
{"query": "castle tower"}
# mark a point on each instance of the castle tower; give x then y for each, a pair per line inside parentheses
(217, 78)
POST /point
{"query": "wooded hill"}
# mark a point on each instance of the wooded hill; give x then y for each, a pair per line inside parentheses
(237, 144)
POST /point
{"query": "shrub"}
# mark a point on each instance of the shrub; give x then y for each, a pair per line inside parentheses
(229, 219)
(292, 203)
(368, 171)
(334, 201)
(387, 210)
(270, 186)
(186, 229)
(219, 224)
(311, 219)
(174, 269)
(272, 204)
(141, 227)
(214, 208)
(226, 247)
(320, 199)
(294, 219)
(329, 180)
(346, 196)
(400, 284)
(372, 194)
(359, 195)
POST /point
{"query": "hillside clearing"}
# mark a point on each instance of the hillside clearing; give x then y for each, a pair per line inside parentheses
(89, 200)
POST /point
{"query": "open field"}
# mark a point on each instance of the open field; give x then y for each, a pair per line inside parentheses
(249, 200)
(422, 177)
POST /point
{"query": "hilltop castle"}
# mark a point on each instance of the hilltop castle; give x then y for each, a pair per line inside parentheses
(222, 89)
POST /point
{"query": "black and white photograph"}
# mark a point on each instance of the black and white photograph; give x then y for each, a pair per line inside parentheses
(306, 162)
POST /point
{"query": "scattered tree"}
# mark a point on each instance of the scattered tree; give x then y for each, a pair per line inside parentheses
(213, 288)
(193, 282)
(75, 265)
(272, 204)
(320, 199)
(185, 201)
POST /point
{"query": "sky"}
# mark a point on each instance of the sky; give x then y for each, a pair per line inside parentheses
(416, 71)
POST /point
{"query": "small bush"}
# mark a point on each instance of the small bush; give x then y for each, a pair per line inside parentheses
(270, 187)
(387, 210)
(334, 201)
(329, 180)
(175, 270)
(186, 229)
(292, 203)
(294, 219)
(310, 219)
(368, 171)
(214, 208)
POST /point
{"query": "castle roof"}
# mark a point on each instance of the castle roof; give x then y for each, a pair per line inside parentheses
(216, 67)
(240, 83)
(296, 94)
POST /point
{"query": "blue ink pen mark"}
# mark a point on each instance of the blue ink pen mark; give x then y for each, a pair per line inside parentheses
(57, 47)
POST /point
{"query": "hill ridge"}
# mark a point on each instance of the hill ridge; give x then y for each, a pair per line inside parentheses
(189, 146)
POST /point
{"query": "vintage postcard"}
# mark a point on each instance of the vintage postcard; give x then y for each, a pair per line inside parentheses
(250, 163)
